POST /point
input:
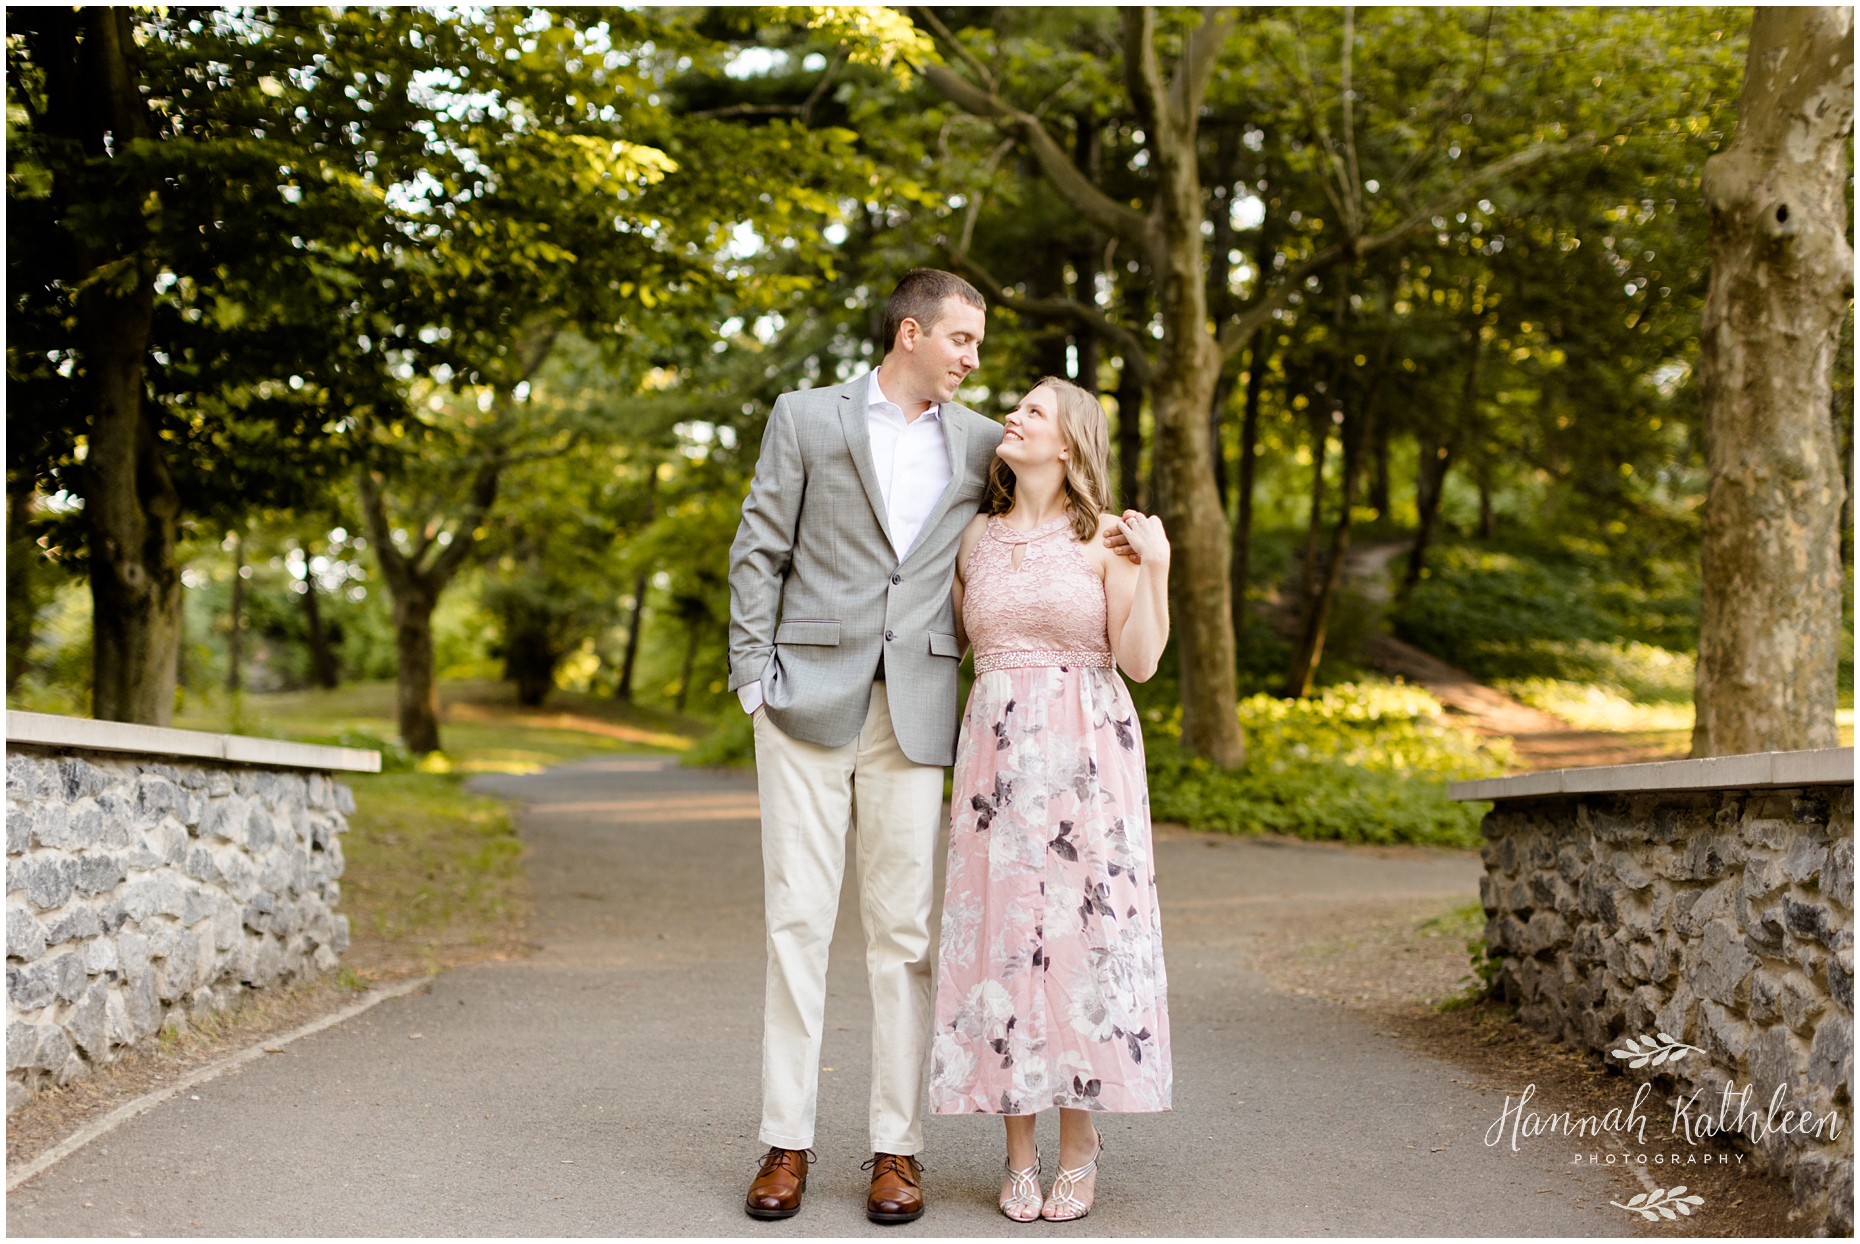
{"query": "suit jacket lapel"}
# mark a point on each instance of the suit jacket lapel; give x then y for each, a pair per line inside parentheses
(956, 437)
(852, 405)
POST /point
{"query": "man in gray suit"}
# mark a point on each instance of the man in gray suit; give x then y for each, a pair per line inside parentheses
(843, 647)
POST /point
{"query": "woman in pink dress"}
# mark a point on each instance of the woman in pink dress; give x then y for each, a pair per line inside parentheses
(1050, 981)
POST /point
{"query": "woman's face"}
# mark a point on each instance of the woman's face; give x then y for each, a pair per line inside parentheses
(1032, 437)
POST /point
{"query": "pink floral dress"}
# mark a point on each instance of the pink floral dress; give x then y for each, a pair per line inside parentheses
(1050, 981)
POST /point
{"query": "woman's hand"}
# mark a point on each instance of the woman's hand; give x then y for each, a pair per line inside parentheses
(1136, 592)
(1144, 536)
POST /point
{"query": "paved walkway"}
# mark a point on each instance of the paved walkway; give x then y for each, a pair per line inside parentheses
(608, 1085)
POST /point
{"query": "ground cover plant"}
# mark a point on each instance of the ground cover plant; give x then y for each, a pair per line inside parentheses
(1357, 762)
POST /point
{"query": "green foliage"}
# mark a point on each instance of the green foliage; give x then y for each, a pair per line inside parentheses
(394, 757)
(1358, 763)
(731, 745)
(1563, 611)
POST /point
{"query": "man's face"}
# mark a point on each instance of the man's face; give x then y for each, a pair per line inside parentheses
(940, 359)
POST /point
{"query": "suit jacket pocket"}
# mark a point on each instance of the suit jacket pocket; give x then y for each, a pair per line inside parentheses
(809, 631)
(942, 645)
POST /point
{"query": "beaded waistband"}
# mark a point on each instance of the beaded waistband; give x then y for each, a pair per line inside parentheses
(1029, 658)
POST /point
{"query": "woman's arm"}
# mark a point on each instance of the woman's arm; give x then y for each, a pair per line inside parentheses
(1137, 597)
(971, 536)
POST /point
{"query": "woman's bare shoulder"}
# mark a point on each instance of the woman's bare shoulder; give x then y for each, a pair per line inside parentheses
(1101, 557)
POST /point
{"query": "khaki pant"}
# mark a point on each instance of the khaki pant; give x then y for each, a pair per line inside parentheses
(811, 796)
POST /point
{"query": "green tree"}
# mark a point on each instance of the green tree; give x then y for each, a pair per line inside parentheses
(1167, 105)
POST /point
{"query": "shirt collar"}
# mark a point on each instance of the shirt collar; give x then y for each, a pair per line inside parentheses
(875, 396)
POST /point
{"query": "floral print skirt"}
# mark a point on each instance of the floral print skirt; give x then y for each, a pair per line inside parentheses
(1050, 981)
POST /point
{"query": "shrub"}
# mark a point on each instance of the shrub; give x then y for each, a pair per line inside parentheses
(1366, 762)
(731, 744)
(394, 757)
(1563, 613)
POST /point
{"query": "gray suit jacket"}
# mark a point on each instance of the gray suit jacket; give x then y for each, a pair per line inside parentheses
(816, 592)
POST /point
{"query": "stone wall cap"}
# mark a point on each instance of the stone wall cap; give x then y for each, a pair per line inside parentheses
(1822, 766)
(51, 730)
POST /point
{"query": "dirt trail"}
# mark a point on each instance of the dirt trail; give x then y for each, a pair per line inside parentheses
(1540, 740)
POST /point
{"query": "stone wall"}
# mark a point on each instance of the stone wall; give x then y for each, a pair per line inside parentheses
(1722, 918)
(142, 892)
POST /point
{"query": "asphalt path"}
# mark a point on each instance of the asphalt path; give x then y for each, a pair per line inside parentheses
(608, 1084)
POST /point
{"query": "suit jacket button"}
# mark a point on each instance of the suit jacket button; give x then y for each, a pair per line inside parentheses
(897, 579)
(889, 637)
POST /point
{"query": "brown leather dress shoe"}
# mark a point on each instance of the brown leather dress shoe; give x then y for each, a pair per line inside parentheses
(779, 1183)
(897, 1190)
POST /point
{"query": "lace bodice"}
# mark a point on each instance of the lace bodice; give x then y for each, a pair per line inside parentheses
(1049, 611)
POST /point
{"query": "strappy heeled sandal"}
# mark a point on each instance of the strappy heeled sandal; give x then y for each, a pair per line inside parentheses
(1063, 1205)
(1023, 1192)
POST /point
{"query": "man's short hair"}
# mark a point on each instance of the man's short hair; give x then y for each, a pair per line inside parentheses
(920, 295)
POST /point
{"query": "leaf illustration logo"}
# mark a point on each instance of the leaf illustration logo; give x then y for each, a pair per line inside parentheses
(1651, 1051)
(1661, 1203)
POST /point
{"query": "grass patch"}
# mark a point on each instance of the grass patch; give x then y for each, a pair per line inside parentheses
(434, 875)
(1365, 762)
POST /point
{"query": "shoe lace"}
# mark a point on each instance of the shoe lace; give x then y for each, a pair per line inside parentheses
(902, 1164)
(777, 1157)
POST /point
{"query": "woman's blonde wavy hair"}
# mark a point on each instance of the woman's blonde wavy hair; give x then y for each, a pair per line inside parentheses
(1087, 435)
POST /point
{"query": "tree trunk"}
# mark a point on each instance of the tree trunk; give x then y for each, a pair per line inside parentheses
(1217, 425)
(1240, 568)
(530, 662)
(1088, 261)
(1129, 439)
(1379, 499)
(235, 624)
(624, 691)
(1191, 513)
(1429, 483)
(1190, 506)
(415, 584)
(1321, 596)
(23, 572)
(1319, 419)
(1782, 275)
(1488, 521)
(130, 504)
(1356, 433)
(1324, 415)
(322, 661)
(417, 681)
(1226, 172)
(1436, 459)
(693, 629)
(1189, 366)
(1844, 448)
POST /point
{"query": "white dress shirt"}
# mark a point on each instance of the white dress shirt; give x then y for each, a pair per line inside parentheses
(911, 458)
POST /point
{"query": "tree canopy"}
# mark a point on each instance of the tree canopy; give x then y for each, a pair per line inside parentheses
(485, 309)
